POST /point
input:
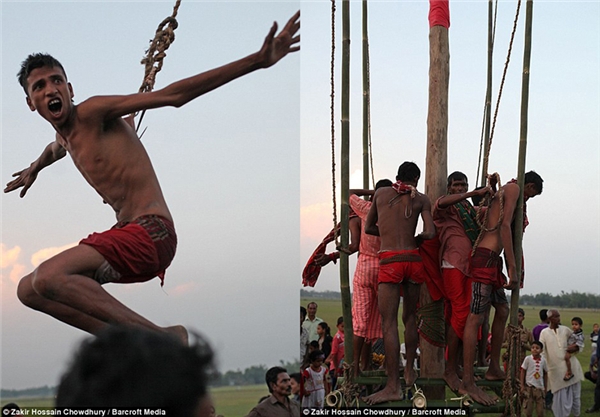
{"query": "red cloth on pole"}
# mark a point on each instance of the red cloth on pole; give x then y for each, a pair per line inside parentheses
(439, 13)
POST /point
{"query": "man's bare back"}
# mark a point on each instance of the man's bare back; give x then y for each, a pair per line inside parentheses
(397, 217)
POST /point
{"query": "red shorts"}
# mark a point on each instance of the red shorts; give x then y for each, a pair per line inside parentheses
(397, 266)
(135, 251)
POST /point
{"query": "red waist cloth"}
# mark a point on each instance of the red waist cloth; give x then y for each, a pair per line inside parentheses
(397, 266)
(430, 254)
(439, 13)
(139, 250)
(486, 267)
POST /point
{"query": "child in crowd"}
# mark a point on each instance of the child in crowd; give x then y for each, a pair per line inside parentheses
(295, 382)
(336, 357)
(534, 380)
(576, 339)
(314, 383)
(325, 338)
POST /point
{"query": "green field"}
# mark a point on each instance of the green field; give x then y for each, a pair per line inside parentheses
(238, 401)
(330, 310)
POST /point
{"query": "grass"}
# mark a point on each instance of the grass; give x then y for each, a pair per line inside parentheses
(330, 310)
(238, 401)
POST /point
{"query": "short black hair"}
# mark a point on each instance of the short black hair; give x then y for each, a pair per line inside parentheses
(340, 320)
(34, 61)
(534, 178)
(315, 354)
(272, 374)
(457, 176)
(383, 183)
(296, 376)
(408, 171)
(544, 314)
(577, 320)
(520, 310)
(537, 342)
(133, 367)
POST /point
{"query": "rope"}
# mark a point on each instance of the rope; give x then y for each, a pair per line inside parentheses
(332, 109)
(155, 54)
(512, 37)
(485, 101)
(510, 387)
(349, 390)
(482, 222)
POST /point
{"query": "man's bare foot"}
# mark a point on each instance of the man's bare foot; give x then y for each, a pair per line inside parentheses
(409, 377)
(477, 394)
(383, 396)
(452, 380)
(180, 332)
(495, 375)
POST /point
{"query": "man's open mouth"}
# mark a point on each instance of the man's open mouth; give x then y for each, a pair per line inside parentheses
(55, 105)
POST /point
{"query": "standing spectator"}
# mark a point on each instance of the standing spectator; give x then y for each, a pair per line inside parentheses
(525, 342)
(303, 340)
(295, 381)
(278, 404)
(594, 340)
(534, 380)
(596, 407)
(566, 394)
(131, 367)
(325, 338)
(314, 385)
(543, 324)
(312, 321)
(336, 357)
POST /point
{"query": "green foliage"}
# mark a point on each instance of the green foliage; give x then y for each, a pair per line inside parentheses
(573, 299)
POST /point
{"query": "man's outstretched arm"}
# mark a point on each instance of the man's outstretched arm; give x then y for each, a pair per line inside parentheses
(26, 177)
(181, 92)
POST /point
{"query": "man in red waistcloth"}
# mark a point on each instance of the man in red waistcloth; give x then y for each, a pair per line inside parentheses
(110, 156)
(393, 217)
(456, 224)
(489, 282)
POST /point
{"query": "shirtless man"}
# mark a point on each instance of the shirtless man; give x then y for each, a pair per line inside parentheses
(393, 217)
(489, 282)
(110, 156)
(455, 221)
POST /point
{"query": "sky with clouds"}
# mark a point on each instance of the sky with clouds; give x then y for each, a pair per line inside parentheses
(246, 169)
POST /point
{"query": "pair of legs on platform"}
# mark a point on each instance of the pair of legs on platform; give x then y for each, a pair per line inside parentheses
(63, 287)
(484, 296)
(389, 302)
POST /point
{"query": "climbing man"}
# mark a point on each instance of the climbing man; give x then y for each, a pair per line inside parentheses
(393, 217)
(489, 282)
(110, 156)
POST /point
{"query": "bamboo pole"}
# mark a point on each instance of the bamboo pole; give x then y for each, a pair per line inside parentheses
(432, 357)
(366, 94)
(518, 222)
(345, 183)
(488, 95)
(518, 232)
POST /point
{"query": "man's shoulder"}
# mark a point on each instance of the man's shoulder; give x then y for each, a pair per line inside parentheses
(359, 205)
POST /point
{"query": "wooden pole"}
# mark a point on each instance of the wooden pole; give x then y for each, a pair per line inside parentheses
(366, 94)
(488, 94)
(432, 357)
(345, 183)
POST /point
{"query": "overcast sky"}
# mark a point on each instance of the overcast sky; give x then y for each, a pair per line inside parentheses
(246, 169)
(228, 163)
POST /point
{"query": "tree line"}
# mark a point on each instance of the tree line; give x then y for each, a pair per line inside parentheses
(573, 299)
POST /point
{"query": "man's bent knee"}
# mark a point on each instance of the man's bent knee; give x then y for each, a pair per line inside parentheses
(44, 281)
(25, 292)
